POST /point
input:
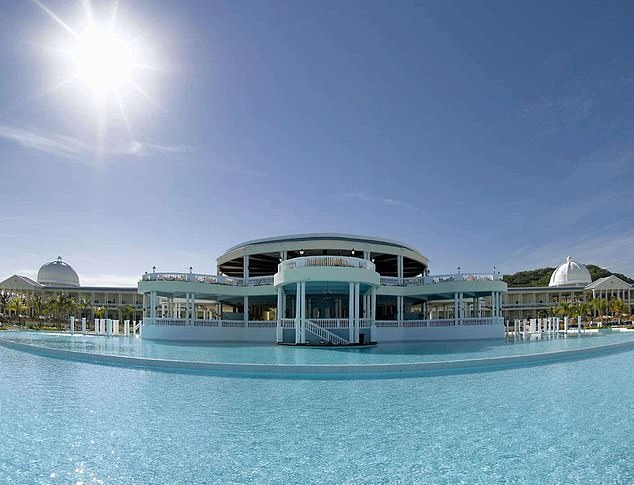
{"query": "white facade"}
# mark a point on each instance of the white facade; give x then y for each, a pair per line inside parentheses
(571, 283)
(322, 289)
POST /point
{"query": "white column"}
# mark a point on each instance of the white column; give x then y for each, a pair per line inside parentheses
(350, 312)
(399, 266)
(192, 297)
(366, 255)
(455, 309)
(579, 325)
(399, 310)
(279, 331)
(565, 325)
(83, 326)
(153, 305)
(373, 315)
(245, 271)
(246, 309)
(303, 313)
(298, 311)
(357, 290)
(126, 328)
(72, 325)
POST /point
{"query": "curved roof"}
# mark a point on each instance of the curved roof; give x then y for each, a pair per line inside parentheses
(317, 236)
(264, 253)
(58, 273)
(570, 273)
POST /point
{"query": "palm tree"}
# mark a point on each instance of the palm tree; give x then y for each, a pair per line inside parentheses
(617, 307)
(583, 309)
(563, 309)
(84, 306)
(17, 305)
(4, 301)
(36, 305)
(126, 311)
(598, 305)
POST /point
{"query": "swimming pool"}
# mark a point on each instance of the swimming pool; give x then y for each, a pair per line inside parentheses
(65, 421)
(270, 360)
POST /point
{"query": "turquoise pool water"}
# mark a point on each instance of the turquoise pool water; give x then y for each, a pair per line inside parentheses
(73, 422)
(384, 353)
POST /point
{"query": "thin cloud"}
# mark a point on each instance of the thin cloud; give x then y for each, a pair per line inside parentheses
(110, 280)
(362, 196)
(610, 249)
(73, 149)
(60, 145)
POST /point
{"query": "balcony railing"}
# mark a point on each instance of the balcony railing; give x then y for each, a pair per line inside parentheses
(441, 322)
(326, 261)
(327, 323)
(209, 279)
(435, 279)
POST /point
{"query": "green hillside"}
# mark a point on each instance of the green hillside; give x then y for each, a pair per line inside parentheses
(541, 276)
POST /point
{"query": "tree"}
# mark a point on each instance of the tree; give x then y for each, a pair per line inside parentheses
(60, 307)
(17, 305)
(4, 301)
(618, 308)
(126, 311)
(36, 306)
(563, 309)
(99, 311)
(599, 305)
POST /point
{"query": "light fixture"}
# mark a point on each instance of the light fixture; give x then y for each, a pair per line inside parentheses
(353, 251)
(301, 252)
(153, 269)
(190, 269)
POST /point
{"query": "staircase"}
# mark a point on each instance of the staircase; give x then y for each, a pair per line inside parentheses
(325, 334)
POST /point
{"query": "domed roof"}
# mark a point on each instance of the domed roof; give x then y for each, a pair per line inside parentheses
(570, 273)
(58, 273)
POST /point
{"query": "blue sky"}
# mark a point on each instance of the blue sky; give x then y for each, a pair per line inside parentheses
(483, 133)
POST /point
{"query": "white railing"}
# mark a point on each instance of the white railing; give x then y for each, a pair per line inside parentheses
(262, 323)
(387, 323)
(435, 279)
(325, 334)
(325, 323)
(328, 261)
(365, 322)
(331, 322)
(167, 321)
(440, 322)
(287, 323)
(199, 322)
(209, 279)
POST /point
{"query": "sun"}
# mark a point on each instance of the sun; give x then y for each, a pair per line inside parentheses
(103, 60)
(105, 54)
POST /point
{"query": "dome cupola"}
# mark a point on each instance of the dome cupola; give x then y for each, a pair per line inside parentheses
(570, 273)
(58, 273)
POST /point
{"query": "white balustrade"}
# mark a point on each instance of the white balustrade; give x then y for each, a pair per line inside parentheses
(208, 279)
(328, 261)
(435, 279)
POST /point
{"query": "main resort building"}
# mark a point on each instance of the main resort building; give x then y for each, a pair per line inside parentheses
(321, 289)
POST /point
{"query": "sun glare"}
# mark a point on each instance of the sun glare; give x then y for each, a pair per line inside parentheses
(103, 53)
(104, 61)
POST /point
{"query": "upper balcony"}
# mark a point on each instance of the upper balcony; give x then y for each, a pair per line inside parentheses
(435, 279)
(205, 279)
(327, 268)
